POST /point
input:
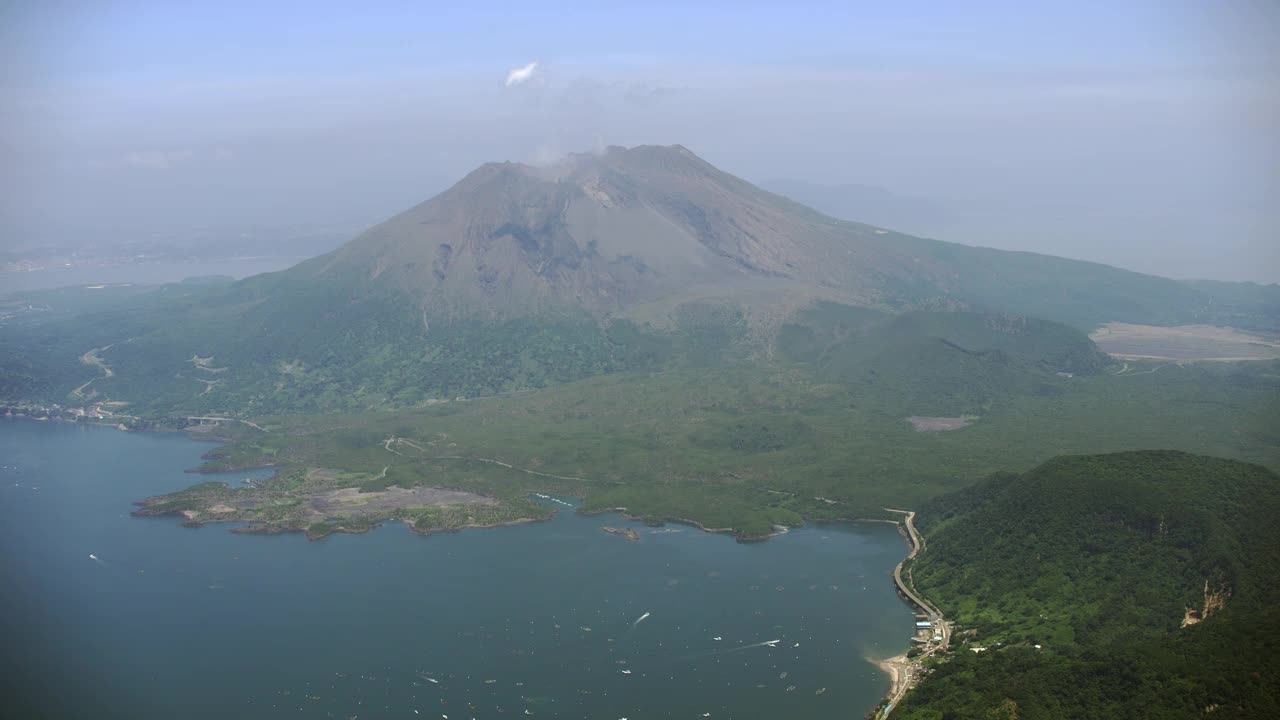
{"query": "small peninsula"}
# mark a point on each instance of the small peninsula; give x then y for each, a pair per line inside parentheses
(321, 502)
(627, 533)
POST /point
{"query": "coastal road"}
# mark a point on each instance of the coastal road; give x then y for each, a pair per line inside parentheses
(917, 545)
(905, 672)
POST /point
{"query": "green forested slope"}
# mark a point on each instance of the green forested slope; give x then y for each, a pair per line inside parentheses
(1097, 559)
(305, 349)
(942, 363)
(273, 344)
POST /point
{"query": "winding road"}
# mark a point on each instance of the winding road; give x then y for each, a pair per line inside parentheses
(907, 672)
(211, 418)
(91, 358)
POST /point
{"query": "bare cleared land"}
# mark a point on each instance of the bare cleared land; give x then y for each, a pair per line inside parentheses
(932, 424)
(349, 501)
(1184, 343)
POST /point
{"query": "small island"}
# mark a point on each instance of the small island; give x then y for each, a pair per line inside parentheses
(627, 533)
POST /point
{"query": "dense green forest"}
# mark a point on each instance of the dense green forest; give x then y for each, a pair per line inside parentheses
(381, 357)
(747, 446)
(234, 359)
(287, 343)
(1139, 584)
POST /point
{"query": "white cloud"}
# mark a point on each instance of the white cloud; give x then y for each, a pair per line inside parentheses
(518, 75)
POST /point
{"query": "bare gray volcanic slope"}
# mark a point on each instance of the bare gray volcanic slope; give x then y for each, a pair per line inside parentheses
(611, 231)
(607, 231)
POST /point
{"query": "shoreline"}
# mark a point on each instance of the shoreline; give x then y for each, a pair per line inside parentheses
(695, 524)
(900, 667)
(898, 670)
(247, 529)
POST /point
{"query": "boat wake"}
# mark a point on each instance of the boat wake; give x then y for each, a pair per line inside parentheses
(740, 648)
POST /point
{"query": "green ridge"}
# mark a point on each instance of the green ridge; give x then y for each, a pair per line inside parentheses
(1097, 560)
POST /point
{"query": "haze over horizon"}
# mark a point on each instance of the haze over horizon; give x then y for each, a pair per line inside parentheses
(1142, 137)
(746, 359)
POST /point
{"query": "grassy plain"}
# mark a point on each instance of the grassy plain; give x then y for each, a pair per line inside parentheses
(1183, 343)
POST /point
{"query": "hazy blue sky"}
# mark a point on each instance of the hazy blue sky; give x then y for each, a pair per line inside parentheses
(1139, 134)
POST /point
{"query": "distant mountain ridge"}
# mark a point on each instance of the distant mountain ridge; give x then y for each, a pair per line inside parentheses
(521, 276)
(611, 231)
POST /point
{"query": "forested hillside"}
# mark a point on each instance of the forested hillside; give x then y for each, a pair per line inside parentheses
(1137, 584)
(162, 348)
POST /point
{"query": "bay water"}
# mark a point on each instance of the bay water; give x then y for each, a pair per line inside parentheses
(553, 619)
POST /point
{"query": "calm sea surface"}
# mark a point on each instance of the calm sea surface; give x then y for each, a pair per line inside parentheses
(542, 619)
